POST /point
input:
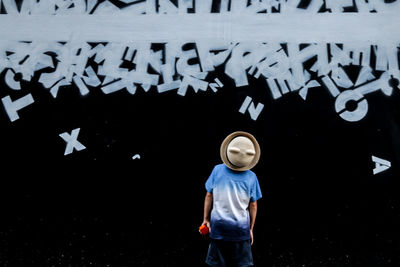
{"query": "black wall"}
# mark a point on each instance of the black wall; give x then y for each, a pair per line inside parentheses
(321, 205)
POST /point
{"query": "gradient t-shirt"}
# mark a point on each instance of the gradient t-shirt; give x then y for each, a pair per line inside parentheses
(232, 192)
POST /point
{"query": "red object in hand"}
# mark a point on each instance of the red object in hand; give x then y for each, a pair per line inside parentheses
(203, 229)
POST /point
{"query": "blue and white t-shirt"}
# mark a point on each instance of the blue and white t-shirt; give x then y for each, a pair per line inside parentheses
(232, 192)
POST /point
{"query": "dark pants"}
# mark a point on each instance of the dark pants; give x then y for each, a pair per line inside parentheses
(229, 253)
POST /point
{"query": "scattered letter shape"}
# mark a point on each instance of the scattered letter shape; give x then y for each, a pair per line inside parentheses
(72, 141)
(137, 156)
(12, 107)
(248, 105)
(380, 165)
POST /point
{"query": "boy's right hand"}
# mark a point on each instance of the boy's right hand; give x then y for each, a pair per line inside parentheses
(207, 223)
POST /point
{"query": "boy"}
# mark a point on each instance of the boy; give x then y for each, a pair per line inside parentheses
(232, 193)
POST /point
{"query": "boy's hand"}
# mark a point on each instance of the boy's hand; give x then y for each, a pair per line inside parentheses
(251, 237)
(207, 223)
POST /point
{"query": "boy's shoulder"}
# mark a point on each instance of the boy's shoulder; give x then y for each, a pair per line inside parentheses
(219, 166)
(223, 169)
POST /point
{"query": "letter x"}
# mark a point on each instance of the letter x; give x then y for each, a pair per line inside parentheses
(72, 141)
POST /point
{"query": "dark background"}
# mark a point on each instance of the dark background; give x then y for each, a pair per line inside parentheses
(321, 205)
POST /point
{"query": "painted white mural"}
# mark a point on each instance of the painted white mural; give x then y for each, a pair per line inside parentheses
(134, 63)
(295, 47)
(283, 71)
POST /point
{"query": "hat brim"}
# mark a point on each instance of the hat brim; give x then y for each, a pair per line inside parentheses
(224, 146)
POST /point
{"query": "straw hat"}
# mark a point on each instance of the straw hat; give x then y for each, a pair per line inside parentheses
(240, 151)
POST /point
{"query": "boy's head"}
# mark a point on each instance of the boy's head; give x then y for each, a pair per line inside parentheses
(240, 151)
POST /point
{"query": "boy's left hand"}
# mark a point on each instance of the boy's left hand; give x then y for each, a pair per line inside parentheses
(251, 237)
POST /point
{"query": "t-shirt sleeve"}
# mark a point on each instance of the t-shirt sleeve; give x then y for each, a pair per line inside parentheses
(255, 193)
(210, 182)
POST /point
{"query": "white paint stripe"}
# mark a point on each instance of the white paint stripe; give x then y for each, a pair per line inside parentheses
(371, 28)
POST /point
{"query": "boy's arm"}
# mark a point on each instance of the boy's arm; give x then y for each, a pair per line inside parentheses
(208, 200)
(253, 214)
